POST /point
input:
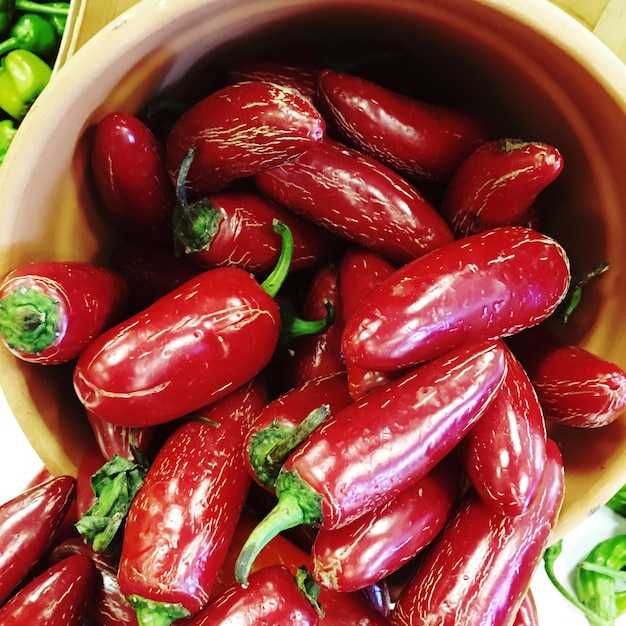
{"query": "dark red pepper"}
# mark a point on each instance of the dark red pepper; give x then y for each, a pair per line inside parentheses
(51, 310)
(479, 569)
(412, 137)
(378, 543)
(575, 387)
(505, 453)
(56, 597)
(131, 180)
(183, 518)
(359, 199)
(497, 185)
(490, 285)
(29, 523)
(370, 451)
(240, 130)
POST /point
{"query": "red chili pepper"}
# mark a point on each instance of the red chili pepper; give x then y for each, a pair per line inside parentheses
(575, 387)
(378, 543)
(490, 285)
(188, 349)
(527, 613)
(415, 138)
(107, 606)
(240, 130)
(479, 568)
(273, 596)
(273, 435)
(90, 463)
(29, 523)
(359, 199)
(128, 169)
(183, 518)
(505, 453)
(497, 185)
(56, 597)
(50, 311)
(374, 448)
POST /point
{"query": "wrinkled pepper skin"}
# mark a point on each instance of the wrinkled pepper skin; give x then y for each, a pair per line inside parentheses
(240, 130)
(412, 137)
(152, 368)
(497, 184)
(271, 597)
(378, 543)
(127, 165)
(479, 568)
(56, 597)
(28, 524)
(487, 286)
(51, 310)
(505, 453)
(359, 199)
(182, 519)
(575, 387)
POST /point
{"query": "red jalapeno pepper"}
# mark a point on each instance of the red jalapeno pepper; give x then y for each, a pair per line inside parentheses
(480, 567)
(128, 169)
(56, 597)
(28, 524)
(415, 138)
(51, 310)
(505, 453)
(527, 613)
(575, 387)
(370, 451)
(185, 350)
(490, 285)
(357, 198)
(497, 185)
(240, 130)
(183, 517)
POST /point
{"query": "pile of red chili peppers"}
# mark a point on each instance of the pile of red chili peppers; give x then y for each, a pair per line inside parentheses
(320, 366)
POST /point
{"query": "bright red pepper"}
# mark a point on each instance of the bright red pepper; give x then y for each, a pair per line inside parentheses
(51, 310)
(497, 185)
(29, 523)
(182, 520)
(90, 463)
(370, 451)
(505, 452)
(480, 567)
(128, 169)
(415, 138)
(490, 285)
(359, 199)
(575, 387)
(240, 130)
(378, 543)
(273, 596)
(56, 597)
(191, 347)
(527, 613)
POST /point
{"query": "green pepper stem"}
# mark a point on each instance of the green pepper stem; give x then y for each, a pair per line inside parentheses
(276, 278)
(574, 293)
(603, 569)
(295, 326)
(153, 613)
(38, 7)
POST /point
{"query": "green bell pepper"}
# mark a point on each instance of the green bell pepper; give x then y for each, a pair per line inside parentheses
(31, 32)
(23, 75)
(7, 132)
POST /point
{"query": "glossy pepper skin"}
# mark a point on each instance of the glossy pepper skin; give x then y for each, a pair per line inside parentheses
(127, 165)
(479, 568)
(240, 130)
(272, 596)
(56, 597)
(51, 310)
(527, 612)
(28, 525)
(505, 453)
(31, 32)
(497, 184)
(183, 518)
(378, 543)
(7, 133)
(575, 387)
(370, 451)
(359, 199)
(412, 137)
(490, 285)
